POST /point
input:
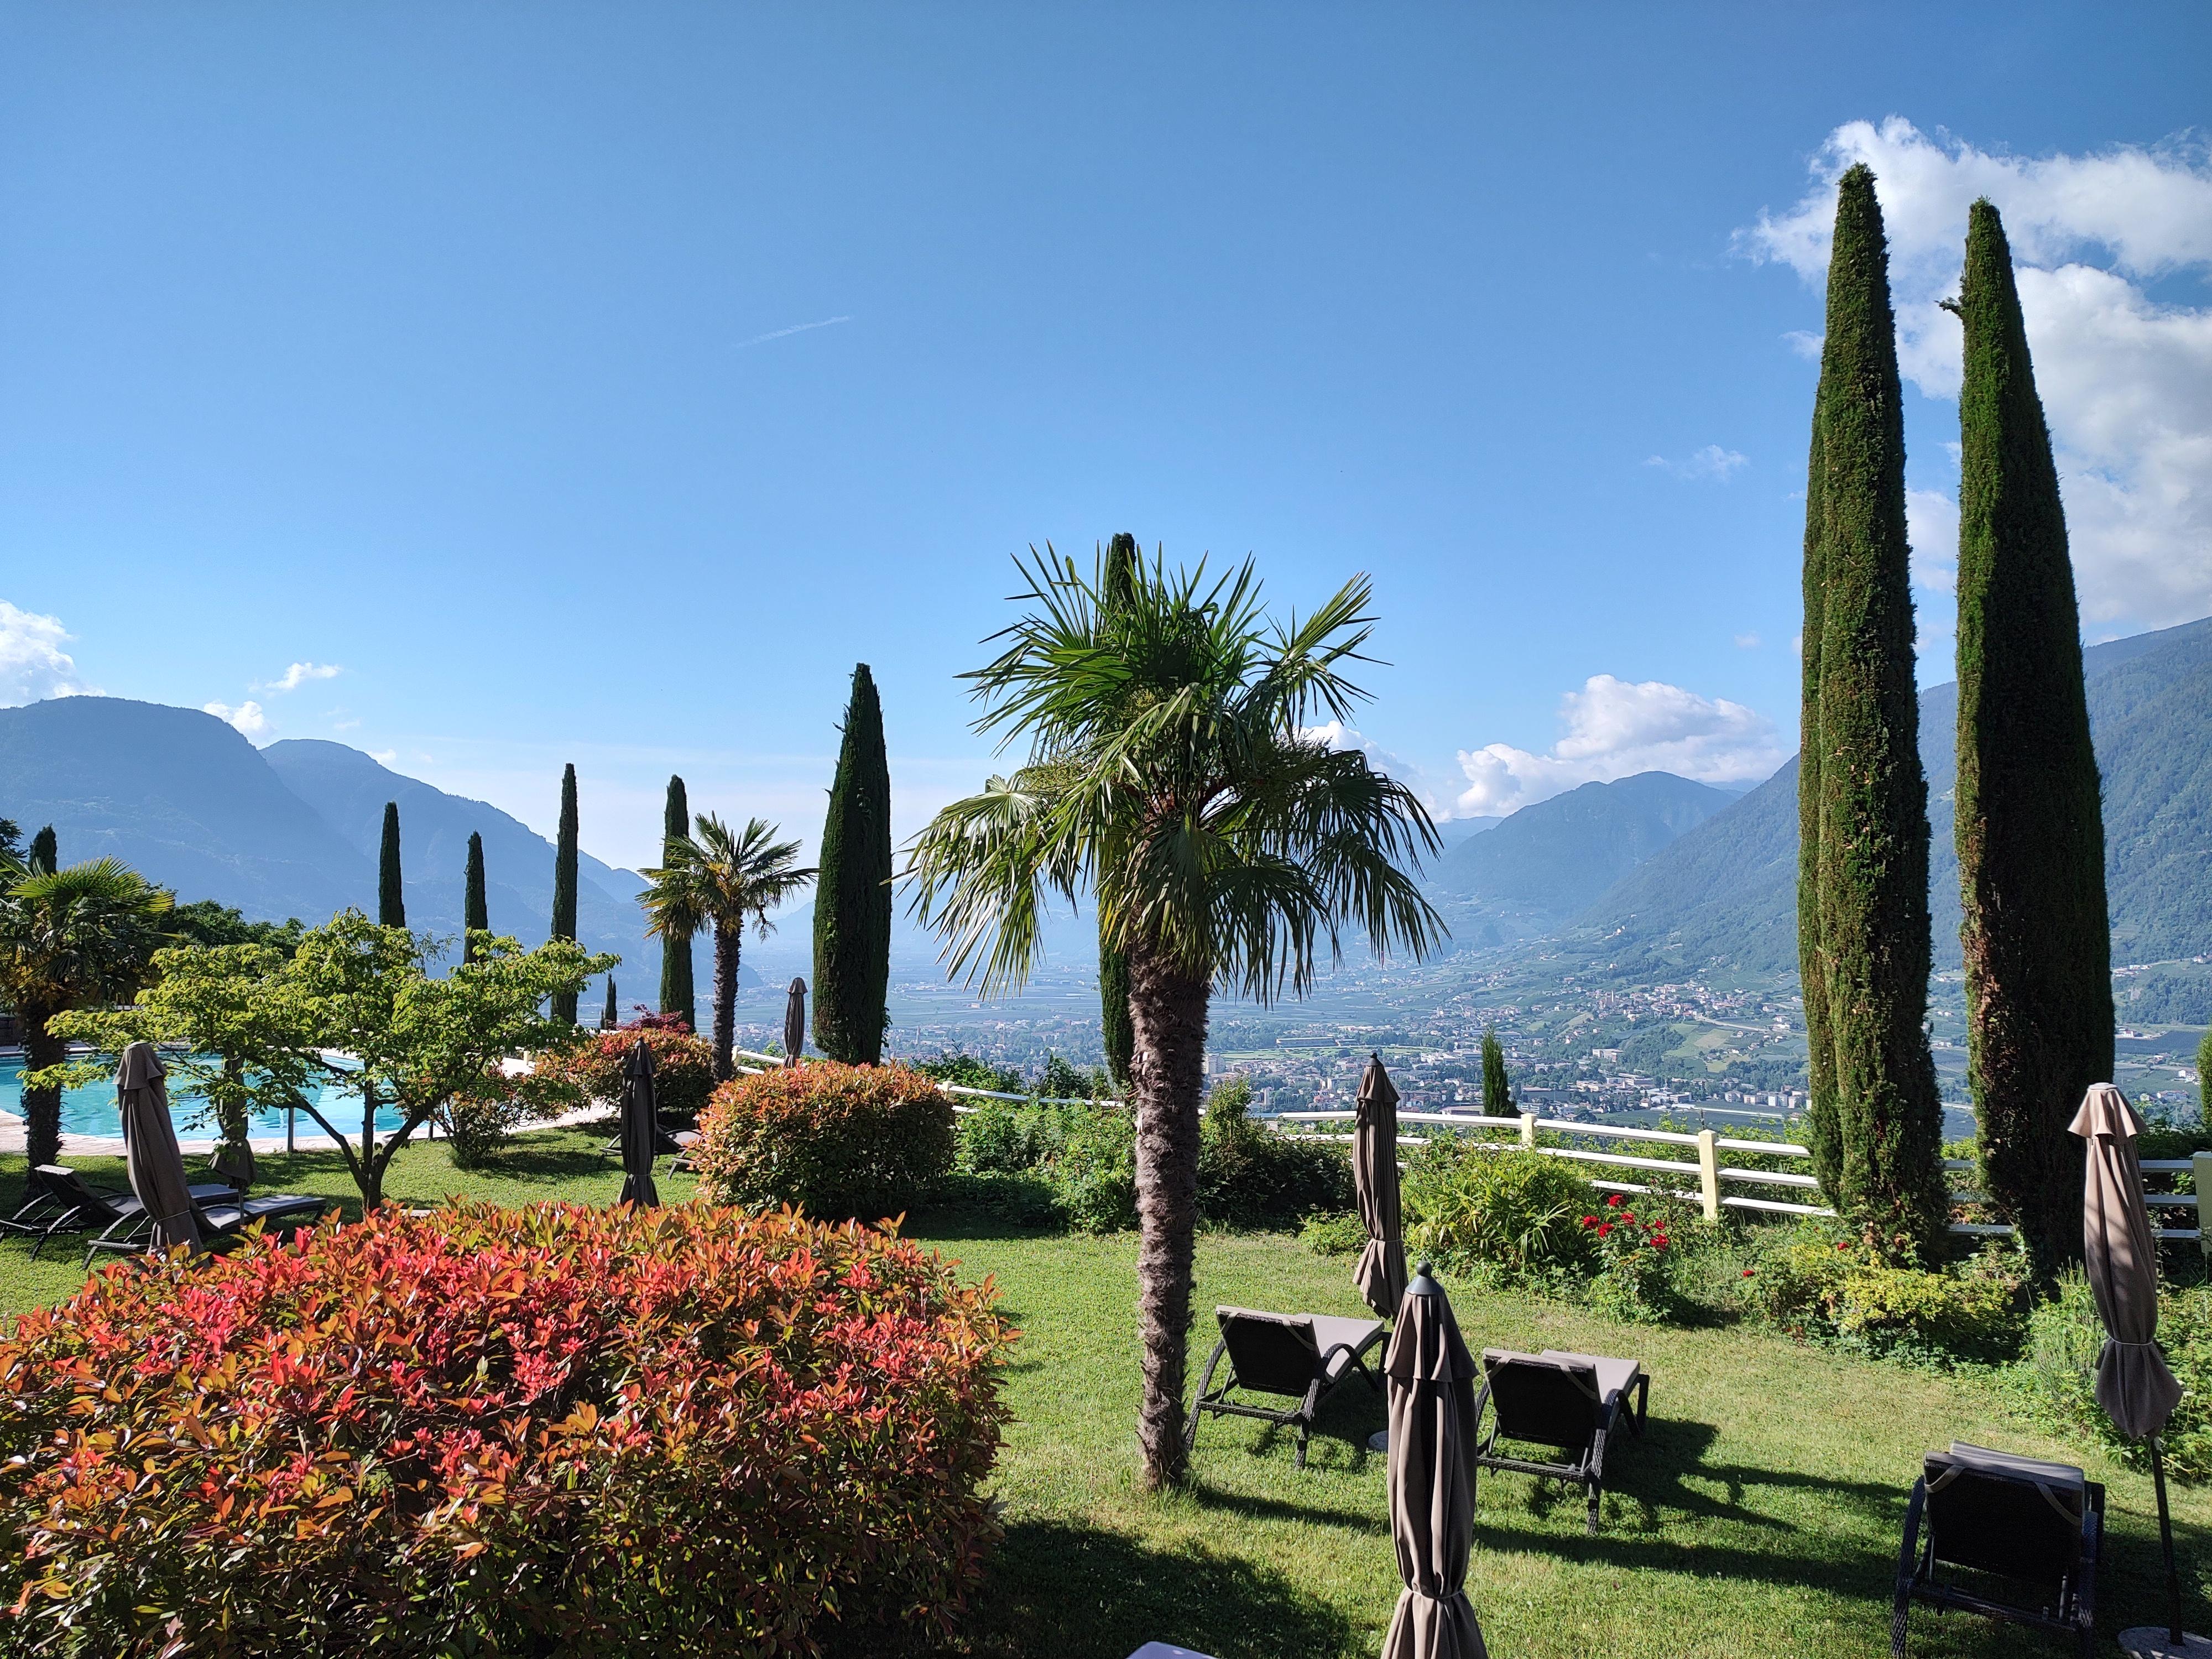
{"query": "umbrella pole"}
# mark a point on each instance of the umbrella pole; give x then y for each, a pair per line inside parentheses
(2166, 1538)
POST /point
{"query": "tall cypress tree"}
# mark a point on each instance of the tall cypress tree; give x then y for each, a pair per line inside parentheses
(677, 995)
(1119, 1030)
(476, 916)
(391, 901)
(1497, 1087)
(1872, 867)
(2031, 829)
(852, 894)
(564, 884)
(1823, 1134)
(45, 853)
(610, 1016)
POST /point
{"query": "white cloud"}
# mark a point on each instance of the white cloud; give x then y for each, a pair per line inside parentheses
(796, 328)
(1747, 641)
(1337, 735)
(2126, 381)
(384, 757)
(1712, 461)
(248, 717)
(1931, 526)
(32, 665)
(1616, 728)
(298, 675)
(1807, 346)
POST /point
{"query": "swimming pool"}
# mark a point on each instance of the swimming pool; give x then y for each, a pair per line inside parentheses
(90, 1110)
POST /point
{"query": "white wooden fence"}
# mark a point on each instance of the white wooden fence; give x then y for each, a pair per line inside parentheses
(1710, 1176)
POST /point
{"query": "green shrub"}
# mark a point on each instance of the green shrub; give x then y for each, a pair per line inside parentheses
(1093, 1170)
(562, 1430)
(1632, 1247)
(1250, 1177)
(836, 1140)
(2058, 1372)
(683, 1067)
(1821, 1281)
(1518, 1212)
(1342, 1234)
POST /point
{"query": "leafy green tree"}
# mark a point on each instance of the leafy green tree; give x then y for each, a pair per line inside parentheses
(1497, 1088)
(2030, 822)
(722, 880)
(678, 995)
(203, 921)
(11, 843)
(45, 853)
(241, 1047)
(1169, 772)
(1119, 1036)
(476, 912)
(564, 884)
(1879, 1152)
(69, 938)
(419, 1044)
(391, 895)
(853, 901)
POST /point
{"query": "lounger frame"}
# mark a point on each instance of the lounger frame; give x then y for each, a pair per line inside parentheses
(1286, 1372)
(2071, 1614)
(1581, 1426)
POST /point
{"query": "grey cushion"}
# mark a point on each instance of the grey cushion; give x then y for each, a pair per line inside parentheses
(2062, 1477)
(1356, 1334)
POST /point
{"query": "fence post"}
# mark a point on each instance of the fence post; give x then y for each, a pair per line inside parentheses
(2200, 1165)
(1709, 1172)
(1528, 1129)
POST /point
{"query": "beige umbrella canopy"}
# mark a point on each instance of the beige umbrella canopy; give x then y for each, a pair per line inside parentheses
(1431, 1378)
(1381, 1273)
(150, 1154)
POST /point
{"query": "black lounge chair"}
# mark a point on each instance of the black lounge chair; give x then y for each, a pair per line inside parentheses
(223, 1213)
(1300, 1357)
(1572, 1402)
(62, 1202)
(2035, 1524)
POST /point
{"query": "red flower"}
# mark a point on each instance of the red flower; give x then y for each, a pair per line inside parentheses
(1604, 1228)
(1589, 1221)
(1616, 1200)
(1748, 1273)
(1628, 1215)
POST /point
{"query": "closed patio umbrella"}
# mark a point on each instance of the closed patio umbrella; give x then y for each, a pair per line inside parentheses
(640, 1128)
(794, 1022)
(150, 1154)
(1381, 1273)
(1429, 1376)
(2120, 1257)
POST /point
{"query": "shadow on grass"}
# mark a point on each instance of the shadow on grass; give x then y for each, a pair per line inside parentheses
(1081, 1593)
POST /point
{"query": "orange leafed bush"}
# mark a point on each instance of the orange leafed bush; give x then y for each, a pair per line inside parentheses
(554, 1430)
(836, 1140)
(683, 1067)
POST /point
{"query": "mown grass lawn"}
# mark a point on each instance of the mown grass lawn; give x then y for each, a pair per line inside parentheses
(1760, 1516)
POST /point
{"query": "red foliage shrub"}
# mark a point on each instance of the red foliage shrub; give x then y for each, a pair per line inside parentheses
(684, 1065)
(558, 1430)
(836, 1140)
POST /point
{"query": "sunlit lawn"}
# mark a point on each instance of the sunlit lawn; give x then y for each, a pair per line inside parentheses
(1760, 1516)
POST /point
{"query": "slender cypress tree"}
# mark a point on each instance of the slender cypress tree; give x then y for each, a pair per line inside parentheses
(476, 916)
(852, 894)
(45, 853)
(1823, 1134)
(2204, 1078)
(564, 884)
(677, 995)
(1119, 1031)
(1497, 1087)
(391, 901)
(610, 1016)
(1872, 868)
(2031, 829)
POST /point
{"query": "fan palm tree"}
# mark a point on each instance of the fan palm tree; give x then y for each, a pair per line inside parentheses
(70, 938)
(1171, 771)
(721, 879)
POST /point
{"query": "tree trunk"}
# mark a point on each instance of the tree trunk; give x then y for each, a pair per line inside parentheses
(726, 943)
(1168, 1009)
(42, 1108)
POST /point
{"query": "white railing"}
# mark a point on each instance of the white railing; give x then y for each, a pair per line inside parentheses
(1709, 1175)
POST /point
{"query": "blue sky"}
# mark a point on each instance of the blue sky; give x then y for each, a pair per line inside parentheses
(600, 383)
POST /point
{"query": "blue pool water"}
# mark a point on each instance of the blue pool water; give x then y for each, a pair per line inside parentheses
(90, 1110)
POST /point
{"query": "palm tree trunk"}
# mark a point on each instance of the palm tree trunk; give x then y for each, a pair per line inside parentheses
(1168, 1008)
(726, 943)
(42, 1108)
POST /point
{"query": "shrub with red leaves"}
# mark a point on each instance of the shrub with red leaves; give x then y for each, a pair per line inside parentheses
(835, 1140)
(682, 1073)
(554, 1430)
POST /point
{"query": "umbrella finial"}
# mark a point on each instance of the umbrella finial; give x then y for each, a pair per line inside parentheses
(1423, 1282)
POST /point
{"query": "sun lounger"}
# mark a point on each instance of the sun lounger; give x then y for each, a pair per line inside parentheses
(2037, 1525)
(222, 1212)
(1299, 1357)
(64, 1201)
(1574, 1402)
